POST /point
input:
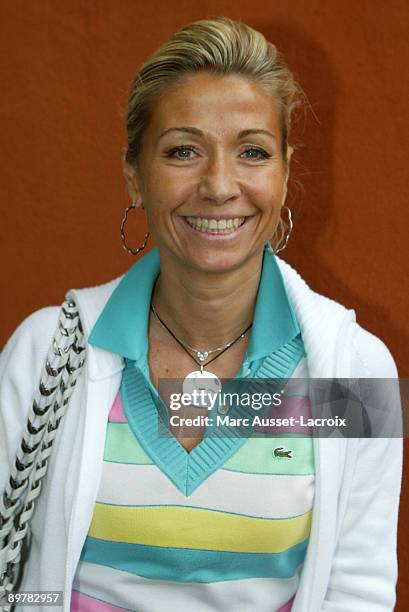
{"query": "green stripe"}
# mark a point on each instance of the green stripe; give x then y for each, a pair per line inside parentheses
(256, 456)
(121, 446)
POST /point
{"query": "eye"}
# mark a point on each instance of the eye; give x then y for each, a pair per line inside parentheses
(255, 153)
(182, 152)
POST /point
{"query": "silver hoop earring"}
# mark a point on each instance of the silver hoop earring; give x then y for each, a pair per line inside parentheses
(283, 239)
(124, 244)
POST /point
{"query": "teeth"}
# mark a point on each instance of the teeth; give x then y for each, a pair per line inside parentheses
(214, 226)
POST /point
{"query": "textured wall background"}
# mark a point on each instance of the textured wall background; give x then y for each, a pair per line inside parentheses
(65, 70)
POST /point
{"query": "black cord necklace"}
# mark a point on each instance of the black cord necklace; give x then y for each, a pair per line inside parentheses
(201, 380)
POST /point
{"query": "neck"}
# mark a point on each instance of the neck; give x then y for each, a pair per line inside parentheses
(207, 309)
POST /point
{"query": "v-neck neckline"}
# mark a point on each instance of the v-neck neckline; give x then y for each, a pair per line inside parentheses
(187, 470)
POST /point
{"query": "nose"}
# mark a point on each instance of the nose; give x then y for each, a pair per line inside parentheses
(218, 183)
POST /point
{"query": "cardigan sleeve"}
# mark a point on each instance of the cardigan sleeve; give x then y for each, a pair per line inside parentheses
(364, 569)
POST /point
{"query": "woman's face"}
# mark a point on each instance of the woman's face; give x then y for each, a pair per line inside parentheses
(211, 175)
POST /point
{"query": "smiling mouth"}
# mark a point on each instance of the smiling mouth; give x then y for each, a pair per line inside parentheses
(215, 226)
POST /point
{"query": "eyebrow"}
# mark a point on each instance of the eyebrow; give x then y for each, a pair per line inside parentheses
(197, 132)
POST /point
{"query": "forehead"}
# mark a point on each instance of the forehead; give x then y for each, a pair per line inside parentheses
(215, 104)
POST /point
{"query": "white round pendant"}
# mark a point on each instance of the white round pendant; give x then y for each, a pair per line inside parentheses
(202, 387)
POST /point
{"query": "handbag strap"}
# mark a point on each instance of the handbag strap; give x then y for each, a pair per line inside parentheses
(64, 362)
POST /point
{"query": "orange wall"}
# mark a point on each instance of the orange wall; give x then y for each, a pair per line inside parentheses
(65, 69)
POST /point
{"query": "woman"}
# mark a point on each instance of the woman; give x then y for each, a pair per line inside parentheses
(132, 519)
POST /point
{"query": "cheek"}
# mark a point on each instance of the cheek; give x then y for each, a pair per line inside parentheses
(268, 187)
(165, 189)
(269, 199)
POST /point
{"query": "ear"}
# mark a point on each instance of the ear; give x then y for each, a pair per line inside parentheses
(131, 180)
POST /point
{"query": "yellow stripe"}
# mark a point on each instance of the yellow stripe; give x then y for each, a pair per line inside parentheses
(196, 528)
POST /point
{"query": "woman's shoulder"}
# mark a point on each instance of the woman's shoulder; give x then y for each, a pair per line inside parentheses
(32, 336)
(34, 333)
(327, 323)
(370, 355)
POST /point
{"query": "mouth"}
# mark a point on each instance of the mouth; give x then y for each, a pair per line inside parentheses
(208, 225)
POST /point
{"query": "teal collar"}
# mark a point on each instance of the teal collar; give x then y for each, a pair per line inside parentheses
(123, 324)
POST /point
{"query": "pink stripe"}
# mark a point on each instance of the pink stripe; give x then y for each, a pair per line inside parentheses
(292, 406)
(84, 603)
(116, 414)
(287, 606)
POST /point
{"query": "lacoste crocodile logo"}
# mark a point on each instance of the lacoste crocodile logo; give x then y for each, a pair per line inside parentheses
(280, 452)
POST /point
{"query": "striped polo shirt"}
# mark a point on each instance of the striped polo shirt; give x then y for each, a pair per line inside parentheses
(224, 527)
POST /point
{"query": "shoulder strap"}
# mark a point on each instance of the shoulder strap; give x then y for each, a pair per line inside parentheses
(64, 362)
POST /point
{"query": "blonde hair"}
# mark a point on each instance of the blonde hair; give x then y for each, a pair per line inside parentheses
(219, 46)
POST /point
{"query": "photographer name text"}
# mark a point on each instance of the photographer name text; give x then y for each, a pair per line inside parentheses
(256, 421)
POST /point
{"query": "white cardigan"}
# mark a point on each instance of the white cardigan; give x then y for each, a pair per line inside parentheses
(350, 564)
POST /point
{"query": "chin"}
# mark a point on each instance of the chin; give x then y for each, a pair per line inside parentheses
(216, 262)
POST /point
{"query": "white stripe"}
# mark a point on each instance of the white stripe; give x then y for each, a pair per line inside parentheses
(126, 590)
(301, 370)
(262, 495)
(298, 384)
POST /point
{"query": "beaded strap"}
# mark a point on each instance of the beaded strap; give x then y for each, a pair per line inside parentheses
(63, 365)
